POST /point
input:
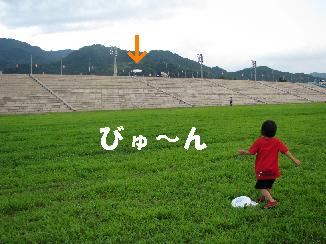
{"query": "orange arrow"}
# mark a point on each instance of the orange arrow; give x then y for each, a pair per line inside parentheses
(136, 57)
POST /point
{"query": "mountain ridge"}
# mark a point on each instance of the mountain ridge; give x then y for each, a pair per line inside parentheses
(13, 52)
(97, 59)
(318, 75)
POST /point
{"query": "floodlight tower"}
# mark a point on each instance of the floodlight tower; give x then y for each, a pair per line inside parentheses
(201, 61)
(254, 66)
(114, 52)
(89, 65)
(61, 67)
(31, 64)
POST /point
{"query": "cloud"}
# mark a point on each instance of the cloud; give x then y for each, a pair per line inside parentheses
(306, 61)
(286, 35)
(59, 15)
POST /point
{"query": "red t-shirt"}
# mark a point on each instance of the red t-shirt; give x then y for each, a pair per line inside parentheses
(266, 150)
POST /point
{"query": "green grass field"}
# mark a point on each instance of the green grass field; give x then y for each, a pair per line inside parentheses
(58, 184)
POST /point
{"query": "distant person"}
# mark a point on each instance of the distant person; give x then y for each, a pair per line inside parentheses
(266, 149)
(231, 101)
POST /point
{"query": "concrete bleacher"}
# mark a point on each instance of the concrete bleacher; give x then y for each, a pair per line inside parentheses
(103, 92)
(264, 91)
(303, 92)
(243, 92)
(47, 93)
(199, 92)
(20, 94)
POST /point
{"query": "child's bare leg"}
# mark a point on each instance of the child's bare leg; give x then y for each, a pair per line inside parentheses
(266, 193)
(269, 190)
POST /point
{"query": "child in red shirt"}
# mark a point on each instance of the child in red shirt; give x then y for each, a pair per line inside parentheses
(266, 149)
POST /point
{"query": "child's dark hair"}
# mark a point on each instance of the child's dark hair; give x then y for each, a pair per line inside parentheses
(269, 128)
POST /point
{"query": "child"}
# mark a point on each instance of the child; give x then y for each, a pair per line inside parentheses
(266, 149)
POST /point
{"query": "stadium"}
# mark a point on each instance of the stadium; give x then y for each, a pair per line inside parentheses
(100, 144)
(56, 93)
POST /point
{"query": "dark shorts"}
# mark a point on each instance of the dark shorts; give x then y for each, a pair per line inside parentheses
(264, 184)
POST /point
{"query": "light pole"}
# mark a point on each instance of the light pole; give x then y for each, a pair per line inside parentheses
(254, 66)
(114, 52)
(89, 66)
(201, 61)
(31, 64)
(61, 67)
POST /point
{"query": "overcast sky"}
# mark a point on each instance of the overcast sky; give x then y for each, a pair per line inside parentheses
(289, 35)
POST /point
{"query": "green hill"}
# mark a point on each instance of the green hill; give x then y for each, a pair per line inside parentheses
(319, 75)
(14, 52)
(98, 57)
(101, 62)
(266, 73)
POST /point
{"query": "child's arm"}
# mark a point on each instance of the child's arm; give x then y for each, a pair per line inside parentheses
(243, 152)
(290, 156)
(252, 150)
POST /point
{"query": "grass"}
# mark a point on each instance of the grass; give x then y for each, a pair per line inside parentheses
(59, 185)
